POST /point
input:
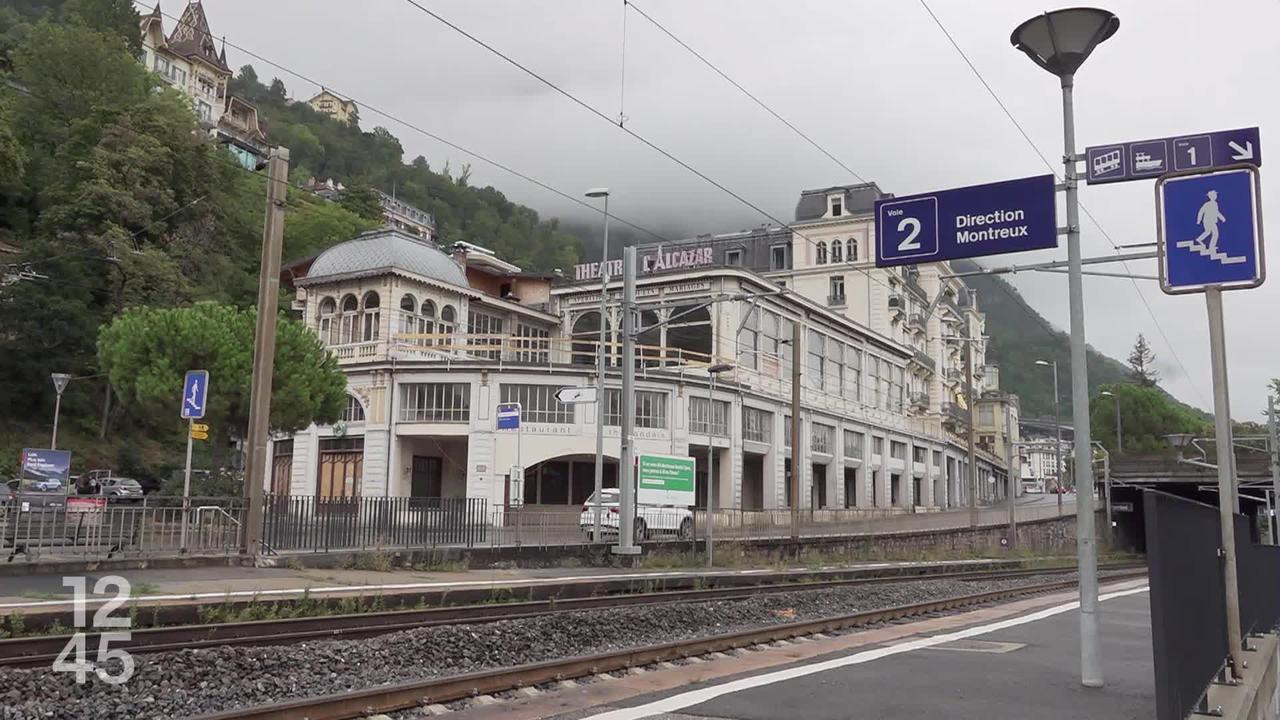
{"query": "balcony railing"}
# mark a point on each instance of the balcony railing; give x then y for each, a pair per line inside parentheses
(916, 320)
(924, 359)
(837, 300)
(920, 400)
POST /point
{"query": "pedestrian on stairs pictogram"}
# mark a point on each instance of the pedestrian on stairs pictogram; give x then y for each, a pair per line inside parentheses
(1210, 230)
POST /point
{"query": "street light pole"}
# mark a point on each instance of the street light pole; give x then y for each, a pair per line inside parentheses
(1119, 435)
(1057, 431)
(1060, 42)
(602, 405)
(714, 371)
(1274, 447)
(60, 381)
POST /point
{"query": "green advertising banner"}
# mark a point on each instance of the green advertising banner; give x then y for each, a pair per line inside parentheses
(665, 480)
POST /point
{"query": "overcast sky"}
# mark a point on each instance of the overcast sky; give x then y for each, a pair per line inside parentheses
(875, 83)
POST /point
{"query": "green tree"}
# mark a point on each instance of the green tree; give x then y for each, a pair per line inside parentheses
(146, 351)
(1147, 414)
(1141, 363)
(362, 200)
(115, 18)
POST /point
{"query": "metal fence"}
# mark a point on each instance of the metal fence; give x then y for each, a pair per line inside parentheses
(1188, 617)
(92, 528)
(293, 522)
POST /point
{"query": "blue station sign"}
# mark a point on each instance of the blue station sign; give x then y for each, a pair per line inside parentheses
(1210, 231)
(509, 416)
(1145, 159)
(992, 219)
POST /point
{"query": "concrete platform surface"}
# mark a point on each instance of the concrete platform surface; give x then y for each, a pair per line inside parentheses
(1013, 666)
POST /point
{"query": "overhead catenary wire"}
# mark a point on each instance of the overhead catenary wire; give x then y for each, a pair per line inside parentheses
(1054, 170)
(765, 106)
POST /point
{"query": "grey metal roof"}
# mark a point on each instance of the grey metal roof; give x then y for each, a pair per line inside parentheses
(388, 248)
(858, 200)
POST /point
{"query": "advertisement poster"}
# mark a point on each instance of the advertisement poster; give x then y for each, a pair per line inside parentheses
(43, 469)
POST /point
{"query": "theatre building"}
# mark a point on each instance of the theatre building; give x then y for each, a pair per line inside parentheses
(432, 340)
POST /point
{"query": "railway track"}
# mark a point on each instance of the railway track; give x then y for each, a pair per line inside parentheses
(36, 651)
(406, 695)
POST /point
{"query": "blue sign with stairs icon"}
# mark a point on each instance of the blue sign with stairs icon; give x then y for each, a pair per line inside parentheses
(1210, 230)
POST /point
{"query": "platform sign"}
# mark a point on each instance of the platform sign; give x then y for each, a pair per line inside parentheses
(509, 416)
(992, 219)
(1210, 230)
(1146, 159)
(195, 390)
(576, 395)
(665, 480)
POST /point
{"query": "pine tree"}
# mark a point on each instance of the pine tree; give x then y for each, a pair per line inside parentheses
(1141, 363)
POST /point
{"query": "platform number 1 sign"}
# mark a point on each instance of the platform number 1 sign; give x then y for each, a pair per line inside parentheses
(113, 666)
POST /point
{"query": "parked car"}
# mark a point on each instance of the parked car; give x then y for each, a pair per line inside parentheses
(650, 519)
(120, 488)
(37, 494)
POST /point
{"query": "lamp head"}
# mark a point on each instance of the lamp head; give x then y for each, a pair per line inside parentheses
(1108, 393)
(1046, 363)
(1179, 441)
(598, 192)
(1061, 40)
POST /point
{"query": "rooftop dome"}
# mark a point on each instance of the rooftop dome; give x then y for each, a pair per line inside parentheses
(388, 249)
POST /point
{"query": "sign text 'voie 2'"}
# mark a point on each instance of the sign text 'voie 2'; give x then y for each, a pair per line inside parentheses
(992, 219)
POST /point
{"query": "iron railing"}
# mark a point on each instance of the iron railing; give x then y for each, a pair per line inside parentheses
(293, 522)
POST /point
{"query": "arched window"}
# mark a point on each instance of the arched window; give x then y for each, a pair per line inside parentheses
(586, 335)
(327, 330)
(851, 250)
(354, 411)
(448, 320)
(372, 316)
(691, 333)
(837, 251)
(820, 257)
(408, 304)
(349, 322)
(428, 316)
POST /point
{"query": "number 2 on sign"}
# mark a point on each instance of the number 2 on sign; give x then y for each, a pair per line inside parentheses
(909, 242)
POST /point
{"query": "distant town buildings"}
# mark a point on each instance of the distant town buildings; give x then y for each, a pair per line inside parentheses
(189, 60)
(396, 213)
(336, 107)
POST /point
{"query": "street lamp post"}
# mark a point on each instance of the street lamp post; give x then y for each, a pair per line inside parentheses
(1060, 42)
(1119, 434)
(60, 381)
(714, 371)
(602, 404)
(1057, 431)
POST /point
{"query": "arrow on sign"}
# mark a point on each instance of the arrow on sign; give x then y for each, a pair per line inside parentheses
(1241, 153)
(576, 395)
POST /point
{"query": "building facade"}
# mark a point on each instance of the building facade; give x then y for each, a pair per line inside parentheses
(336, 107)
(433, 339)
(189, 60)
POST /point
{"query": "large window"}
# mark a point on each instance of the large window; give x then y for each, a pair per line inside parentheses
(822, 438)
(833, 378)
(757, 425)
(706, 417)
(538, 403)
(820, 254)
(749, 338)
(281, 466)
(897, 450)
(816, 349)
(415, 320)
(651, 408)
(349, 321)
(852, 444)
(354, 411)
(851, 250)
(986, 415)
(837, 251)
(448, 320)
(435, 402)
(327, 326)
(586, 338)
(690, 330)
(778, 258)
(372, 317)
(489, 329)
(837, 289)
(853, 373)
(533, 344)
(786, 431)
(919, 454)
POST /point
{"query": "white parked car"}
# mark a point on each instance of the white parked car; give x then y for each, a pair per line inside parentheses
(651, 520)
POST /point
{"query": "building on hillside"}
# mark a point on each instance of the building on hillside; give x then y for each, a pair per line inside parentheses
(189, 60)
(336, 107)
(399, 214)
(432, 340)
(996, 428)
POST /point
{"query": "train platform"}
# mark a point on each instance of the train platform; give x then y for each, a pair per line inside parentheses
(205, 585)
(1013, 660)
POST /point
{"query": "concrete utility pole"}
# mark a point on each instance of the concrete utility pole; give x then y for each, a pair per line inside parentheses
(973, 454)
(602, 405)
(1228, 500)
(796, 357)
(264, 348)
(1274, 446)
(626, 465)
(1014, 468)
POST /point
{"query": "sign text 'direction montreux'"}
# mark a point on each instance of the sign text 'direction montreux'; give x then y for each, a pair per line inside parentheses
(992, 219)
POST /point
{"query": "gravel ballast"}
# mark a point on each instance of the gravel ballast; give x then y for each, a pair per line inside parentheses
(185, 683)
